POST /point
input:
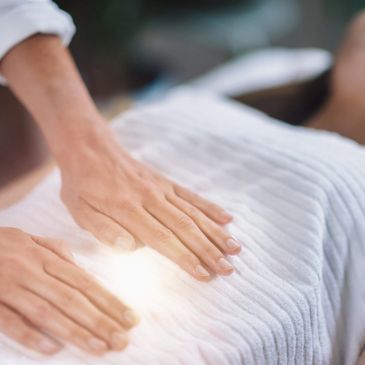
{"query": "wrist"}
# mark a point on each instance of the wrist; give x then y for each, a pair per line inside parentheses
(81, 141)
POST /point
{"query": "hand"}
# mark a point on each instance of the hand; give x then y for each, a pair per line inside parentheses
(123, 202)
(107, 192)
(45, 299)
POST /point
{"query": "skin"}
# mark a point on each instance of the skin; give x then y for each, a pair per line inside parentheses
(344, 111)
(46, 300)
(121, 201)
(110, 194)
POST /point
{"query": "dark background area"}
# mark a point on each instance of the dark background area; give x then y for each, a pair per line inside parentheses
(124, 47)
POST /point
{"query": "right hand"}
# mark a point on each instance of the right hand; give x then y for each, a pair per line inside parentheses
(46, 300)
(122, 201)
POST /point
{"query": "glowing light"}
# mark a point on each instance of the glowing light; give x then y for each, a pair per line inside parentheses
(135, 277)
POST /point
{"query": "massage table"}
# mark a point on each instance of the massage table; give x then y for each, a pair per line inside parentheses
(297, 195)
(297, 296)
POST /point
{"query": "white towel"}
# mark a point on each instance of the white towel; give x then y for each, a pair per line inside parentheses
(264, 68)
(298, 197)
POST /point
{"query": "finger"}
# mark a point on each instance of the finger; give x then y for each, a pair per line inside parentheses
(106, 229)
(151, 232)
(51, 321)
(101, 298)
(58, 247)
(210, 209)
(212, 230)
(191, 236)
(79, 309)
(15, 327)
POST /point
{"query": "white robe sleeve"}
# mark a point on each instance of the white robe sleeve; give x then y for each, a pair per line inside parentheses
(20, 19)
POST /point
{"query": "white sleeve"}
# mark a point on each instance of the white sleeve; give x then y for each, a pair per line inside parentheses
(19, 19)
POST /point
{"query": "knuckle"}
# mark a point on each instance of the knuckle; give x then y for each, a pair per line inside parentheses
(41, 312)
(222, 233)
(127, 205)
(164, 236)
(72, 332)
(149, 192)
(184, 222)
(35, 251)
(192, 212)
(188, 258)
(217, 232)
(100, 322)
(214, 208)
(70, 298)
(11, 263)
(86, 283)
(115, 303)
(7, 288)
(24, 335)
(102, 229)
(211, 251)
(8, 320)
(59, 244)
(124, 202)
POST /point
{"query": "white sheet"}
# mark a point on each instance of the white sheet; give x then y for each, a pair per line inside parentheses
(298, 198)
(264, 68)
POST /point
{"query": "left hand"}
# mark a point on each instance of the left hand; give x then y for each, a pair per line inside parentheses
(122, 202)
(108, 192)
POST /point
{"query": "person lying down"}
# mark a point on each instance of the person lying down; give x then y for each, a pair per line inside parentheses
(297, 294)
(294, 293)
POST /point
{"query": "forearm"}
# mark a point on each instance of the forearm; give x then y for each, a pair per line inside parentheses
(42, 74)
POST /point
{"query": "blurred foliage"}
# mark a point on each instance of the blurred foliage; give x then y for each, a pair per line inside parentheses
(110, 25)
(344, 8)
(104, 24)
(106, 30)
(103, 44)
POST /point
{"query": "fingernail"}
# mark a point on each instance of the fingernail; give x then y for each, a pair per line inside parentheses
(48, 347)
(232, 244)
(98, 345)
(131, 317)
(226, 216)
(119, 341)
(201, 271)
(224, 265)
(70, 256)
(125, 244)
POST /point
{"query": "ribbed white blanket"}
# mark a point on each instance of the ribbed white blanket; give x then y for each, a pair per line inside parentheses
(299, 201)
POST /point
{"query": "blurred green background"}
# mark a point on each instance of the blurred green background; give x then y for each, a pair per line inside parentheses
(126, 45)
(135, 48)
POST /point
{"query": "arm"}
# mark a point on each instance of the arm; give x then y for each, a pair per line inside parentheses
(45, 299)
(108, 193)
(42, 75)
